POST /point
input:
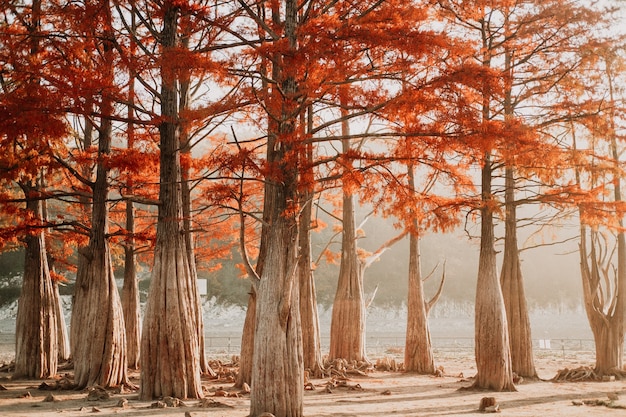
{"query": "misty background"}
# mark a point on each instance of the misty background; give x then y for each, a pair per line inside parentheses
(550, 264)
(551, 269)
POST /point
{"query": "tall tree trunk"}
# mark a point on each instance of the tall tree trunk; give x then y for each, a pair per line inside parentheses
(609, 343)
(277, 373)
(418, 352)
(604, 304)
(97, 330)
(511, 277)
(97, 325)
(36, 348)
(493, 357)
(190, 244)
(130, 288)
(513, 289)
(312, 350)
(311, 340)
(170, 352)
(247, 342)
(347, 326)
(36, 343)
(602, 312)
(613, 358)
(130, 295)
(187, 220)
(492, 347)
(63, 339)
(249, 325)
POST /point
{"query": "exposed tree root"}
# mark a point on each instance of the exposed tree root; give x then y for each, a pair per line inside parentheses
(97, 393)
(224, 372)
(587, 373)
(65, 366)
(334, 383)
(609, 403)
(342, 368)
(64, 383)
(211, 403)
(318, 371)
(8, 367)
(583, 373)
(388, 364)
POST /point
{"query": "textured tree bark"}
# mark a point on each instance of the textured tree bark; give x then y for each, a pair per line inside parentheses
(605, 312)
(36, 347)
(513, 292)
(170, 352)
(36, 344)
(418, 352)
(511, 278)
(170, 361)
(63, 339)
(277, 365)
(247, 343)
(197, 305)
(604, 304)
(277, 370)
(97, 328)
(609, 343)
(97, 325)
(492, 347)
(493, 357)
(130, 288)
(130, 298)
(311, 340)
(311, 344)
(187, 225)
(347, 326)
(277, 375)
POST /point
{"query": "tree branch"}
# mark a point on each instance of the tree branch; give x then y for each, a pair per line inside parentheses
(435, 298)
(383, 248)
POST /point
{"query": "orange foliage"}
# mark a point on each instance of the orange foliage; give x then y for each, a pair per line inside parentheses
(410, 79)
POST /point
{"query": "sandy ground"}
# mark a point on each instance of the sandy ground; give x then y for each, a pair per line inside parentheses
(381, 393)
(378, 394)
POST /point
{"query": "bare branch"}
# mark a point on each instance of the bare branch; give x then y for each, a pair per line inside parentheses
(254, 277)
(259, 21)
(140, 200)
(372, 258)
(430, 304)
(74, 172)
(370, 298)
(330, 242)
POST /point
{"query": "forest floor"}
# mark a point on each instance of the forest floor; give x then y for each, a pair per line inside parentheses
(377, 394)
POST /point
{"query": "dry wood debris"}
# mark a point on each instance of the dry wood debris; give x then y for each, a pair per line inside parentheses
(342, 368)
(587, 373)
